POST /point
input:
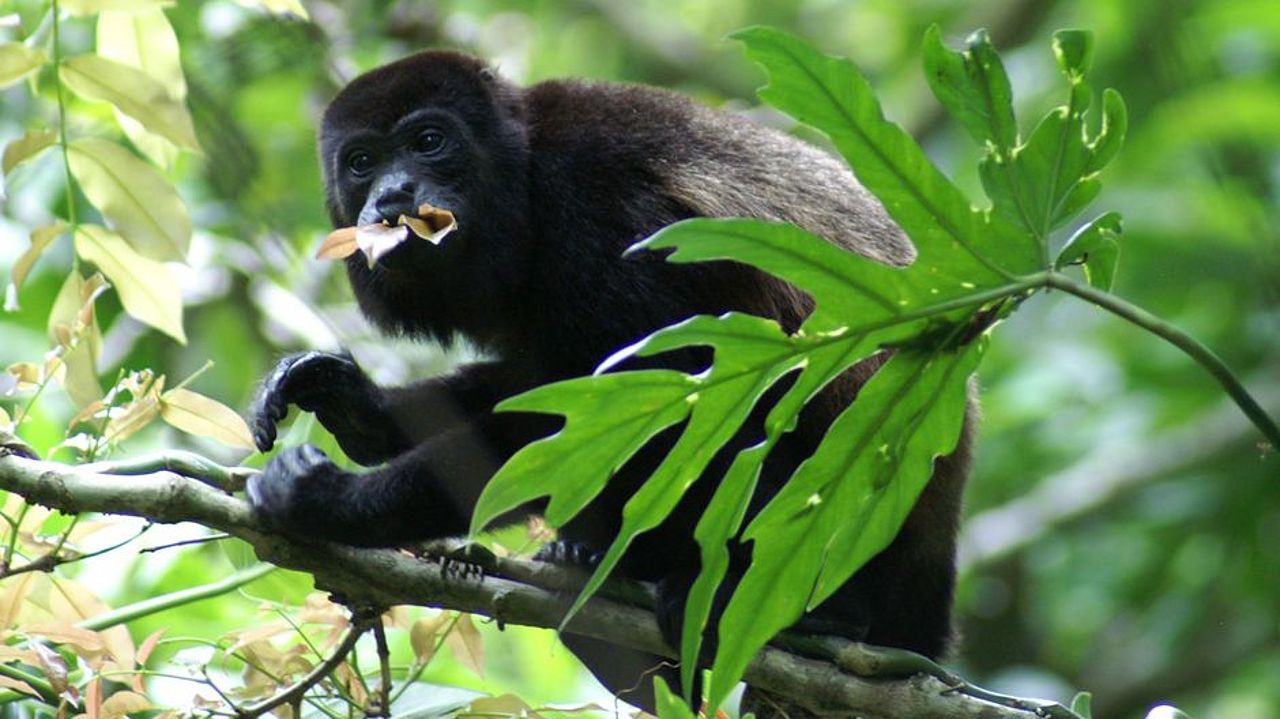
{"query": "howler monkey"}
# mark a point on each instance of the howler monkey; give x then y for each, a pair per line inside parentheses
(550, 184)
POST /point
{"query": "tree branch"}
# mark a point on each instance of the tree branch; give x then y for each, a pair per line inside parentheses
(384, 577)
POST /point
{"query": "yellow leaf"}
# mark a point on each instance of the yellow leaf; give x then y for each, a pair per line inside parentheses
(145, 389)
(147, 288)
(466, 644)
(74, 601)
(13, 594)
(134, 93)
(90, 7)
(291, 7)
(80, 339)
(204, 417)
(145, 40)
(86, 641)
(41, 238)
(18, 685)
(122, 703)
(26, 147)
(140, 203)
(17, 61)
(424, 636)
(504, 705)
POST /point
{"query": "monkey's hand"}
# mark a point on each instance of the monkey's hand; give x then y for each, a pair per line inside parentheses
(301, 492)
(343, 398)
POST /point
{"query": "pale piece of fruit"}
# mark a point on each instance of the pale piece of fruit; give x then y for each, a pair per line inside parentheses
(432, 224)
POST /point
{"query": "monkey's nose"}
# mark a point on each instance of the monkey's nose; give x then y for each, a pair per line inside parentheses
(393, 204)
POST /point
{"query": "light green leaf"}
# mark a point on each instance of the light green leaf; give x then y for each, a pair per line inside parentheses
(91, 7)
(668, 704)
(1082, 704)
(202, 416)
(17, 61)
(279, 7)
(1073, 49)
(145, 40)
(134, 196)
(602, 436)
(26, 147)
(830, 94)
(847, 502)
(41, 238)
(1096, 248)
(147, 288)
(974, 88)
(73, 324)
(134, 93)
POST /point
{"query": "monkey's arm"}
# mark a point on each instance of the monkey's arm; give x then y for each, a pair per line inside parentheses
(373, 424)
(425, 493)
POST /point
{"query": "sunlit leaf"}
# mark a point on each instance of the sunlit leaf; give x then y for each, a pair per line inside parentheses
(122, 703)
(424, 636)
(205, 417)
(669, 704)
(17, 61)
(134, 93)
(136, 198)
(18, 685)
(41, 238)
(147, 288)
(659, 401)
(72, 323)
(974, 88)
(90, 7)
(290, 7)
(145, 40)
(72, 601)
(466, 644)
(26, 148)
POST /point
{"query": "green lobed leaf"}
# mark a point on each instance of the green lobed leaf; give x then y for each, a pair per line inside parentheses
(830, 94)
(134, 93)
(26, 148)
(974, 88)
(17, 61)
(847, 502)
(607, 419)
(1096, 248)
(147, 288)
(134, 196)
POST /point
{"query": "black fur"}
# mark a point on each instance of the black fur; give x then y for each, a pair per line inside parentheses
(549, 185)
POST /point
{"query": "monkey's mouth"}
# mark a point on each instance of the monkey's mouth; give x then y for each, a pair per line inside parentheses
(432, 224)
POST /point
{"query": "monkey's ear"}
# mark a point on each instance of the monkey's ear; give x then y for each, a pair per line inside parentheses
(487, 74)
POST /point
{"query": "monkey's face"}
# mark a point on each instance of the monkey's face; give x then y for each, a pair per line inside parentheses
(435, 128)
(428, 157)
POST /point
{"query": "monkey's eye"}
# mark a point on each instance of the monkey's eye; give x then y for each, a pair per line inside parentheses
(428, 142)
(360, 162)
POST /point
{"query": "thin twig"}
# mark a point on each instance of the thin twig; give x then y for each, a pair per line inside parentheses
(318, 674)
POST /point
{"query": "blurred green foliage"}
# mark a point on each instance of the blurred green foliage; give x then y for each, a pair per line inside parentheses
(1123, 519)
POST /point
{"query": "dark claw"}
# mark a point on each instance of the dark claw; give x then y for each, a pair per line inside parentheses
(303, 379)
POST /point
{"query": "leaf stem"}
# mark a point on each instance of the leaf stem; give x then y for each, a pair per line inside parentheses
(182, 597)
(1179, 339)
(62, 122)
